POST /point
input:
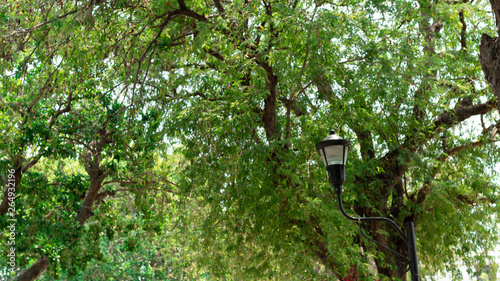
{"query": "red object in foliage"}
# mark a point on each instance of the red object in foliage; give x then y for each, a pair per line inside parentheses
(353, 275)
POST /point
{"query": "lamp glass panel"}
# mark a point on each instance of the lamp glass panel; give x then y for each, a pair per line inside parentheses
(335, 155)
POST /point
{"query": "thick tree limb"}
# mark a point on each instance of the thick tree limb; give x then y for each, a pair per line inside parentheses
(34, 271)
(447, 119)
(220, 8)
(97, 176)
(104, 194)
(495, 6)
(4, 182)
(146, 188)
(193, 14)
(57, 113)
(269, 116)
(182, 4)
(324, 88)
(474, 201)
(489, 57)
(422, 194)
(463, 32)
(92, 162)
(4, 207)
(464, 111)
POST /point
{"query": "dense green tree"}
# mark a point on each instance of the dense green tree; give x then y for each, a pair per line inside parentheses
(58, 106)
(246, 89)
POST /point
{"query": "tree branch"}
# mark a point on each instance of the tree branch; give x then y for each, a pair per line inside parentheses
(463, 32)
(269, 116)
(421, 195)
(148, 188)
(447, 119)
(104, 194)
(220, 8)
(35, 270)
(182, 4)
(460, 148)
(58, 112)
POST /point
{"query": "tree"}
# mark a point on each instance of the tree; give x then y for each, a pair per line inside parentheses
(248, 87)
(52, 107)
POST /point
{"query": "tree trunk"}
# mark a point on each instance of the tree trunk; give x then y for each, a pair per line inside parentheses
(393, 265)
(321, 252)
(4, 206)
(96, 175)
(489, 54)
(489, 57)
(34, 271)
(85, 211)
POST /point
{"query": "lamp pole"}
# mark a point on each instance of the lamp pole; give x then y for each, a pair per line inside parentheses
(412, 251)
(333, 149)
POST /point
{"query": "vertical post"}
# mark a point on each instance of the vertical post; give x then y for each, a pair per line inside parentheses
(412, 250)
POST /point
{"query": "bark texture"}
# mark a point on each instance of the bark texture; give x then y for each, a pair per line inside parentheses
(96, 174)
(489, 57)
(489, 54)
(34, 271)
(4, 206)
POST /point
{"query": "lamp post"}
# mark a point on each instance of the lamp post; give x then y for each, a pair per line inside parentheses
(333, 149)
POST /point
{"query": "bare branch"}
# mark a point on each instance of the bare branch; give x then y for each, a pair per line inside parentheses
(26, 60)
(120, 182)
(448, 119)
(25, 31)
(422, 194)
(220, 8)
(148, 188)
(458, 149)
(79, 142)
(58, 112)
(104, 194)
(31, 163)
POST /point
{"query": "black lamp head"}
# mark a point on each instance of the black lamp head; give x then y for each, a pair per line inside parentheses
(333, 149)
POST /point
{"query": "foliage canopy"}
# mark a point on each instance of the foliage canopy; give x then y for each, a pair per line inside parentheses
(178, 137)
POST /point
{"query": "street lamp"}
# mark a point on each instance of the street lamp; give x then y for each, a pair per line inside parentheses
(333, 149)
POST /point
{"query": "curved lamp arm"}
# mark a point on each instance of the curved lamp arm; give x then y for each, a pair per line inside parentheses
(409, 240)
(391, 222)
(333, 149)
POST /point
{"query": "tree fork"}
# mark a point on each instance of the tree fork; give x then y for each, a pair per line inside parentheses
(96, 174)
